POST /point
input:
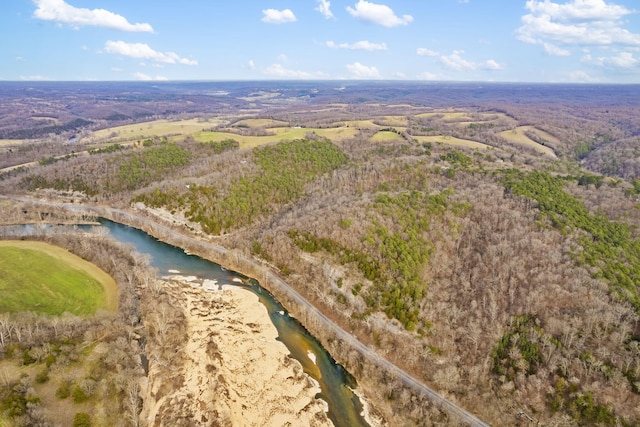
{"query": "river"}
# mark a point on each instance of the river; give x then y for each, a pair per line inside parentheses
(335, 382)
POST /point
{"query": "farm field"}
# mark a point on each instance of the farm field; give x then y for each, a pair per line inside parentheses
(451, 140)
(42, 278)
(397, 121)
(254, 123)
(152, 129)
(519, 136)
(279, 134)
(384, 136)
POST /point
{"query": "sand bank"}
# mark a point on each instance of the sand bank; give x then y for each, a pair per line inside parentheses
(234, 371)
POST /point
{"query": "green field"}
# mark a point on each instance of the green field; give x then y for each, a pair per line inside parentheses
(385, 136)
(41, 278)
(452, 140)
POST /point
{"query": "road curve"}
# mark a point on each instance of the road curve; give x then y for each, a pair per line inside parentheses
(131, 218)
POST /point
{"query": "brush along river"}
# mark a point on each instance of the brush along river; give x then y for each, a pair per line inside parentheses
(335, 382)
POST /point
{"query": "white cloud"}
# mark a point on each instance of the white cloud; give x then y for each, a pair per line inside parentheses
(378, 14)
(143, 51)
(426, 52)
(581, 77)
(578, 10)
(142, 76)
(20, 59)
(277, 70)
(427, 76)
(273, 16)
(624, 60)
(282, 57)
(362, 71)
(64, 13)
(577, 22)
(490, 64)
(324, 7)
(455, 61)
(621, 60)
(252, 64)
(360, 45)
(38, 78)
(553, 50)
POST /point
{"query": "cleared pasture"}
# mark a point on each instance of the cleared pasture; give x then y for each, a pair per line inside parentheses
(38, 277)
(541, 134)
(156, 128)
(279, 134)
(447, 115)
(260, 123)
(451, 140)
(518, 136)
(4, 142)
(397, 121)
(385, 136)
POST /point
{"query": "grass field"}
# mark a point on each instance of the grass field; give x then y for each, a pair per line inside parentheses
(38, 277)
(447, 115)
(178, 130)
(397, 121)
(518, 136)
(256, 123)
(286, 133)
(451, 140)
(4, 142)
(151, 129)
(384, 136)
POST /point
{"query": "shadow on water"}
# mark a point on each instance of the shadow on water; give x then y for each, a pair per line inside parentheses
(335, 382)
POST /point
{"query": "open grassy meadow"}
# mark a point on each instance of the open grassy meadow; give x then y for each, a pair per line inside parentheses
(156, 128)
(279, 134)
(38, 277)
(519, 136)
(265, 123)
(452, 140)
(385, 136)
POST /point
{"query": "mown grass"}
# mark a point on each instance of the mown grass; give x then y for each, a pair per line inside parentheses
(45, 279)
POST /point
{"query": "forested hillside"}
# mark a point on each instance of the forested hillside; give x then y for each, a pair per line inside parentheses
(492, 253)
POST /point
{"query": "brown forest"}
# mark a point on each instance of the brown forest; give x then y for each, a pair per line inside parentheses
(505, 278)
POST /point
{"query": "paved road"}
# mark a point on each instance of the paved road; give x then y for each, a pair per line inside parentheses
(273, 280)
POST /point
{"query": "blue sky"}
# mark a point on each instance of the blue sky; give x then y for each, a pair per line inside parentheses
(441, 40)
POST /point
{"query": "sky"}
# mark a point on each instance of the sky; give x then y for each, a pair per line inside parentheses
(555, 41)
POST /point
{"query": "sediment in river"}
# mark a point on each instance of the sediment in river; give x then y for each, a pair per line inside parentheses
(232, 370)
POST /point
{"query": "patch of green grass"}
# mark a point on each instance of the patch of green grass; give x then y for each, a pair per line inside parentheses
(31, 280)
(384, 136)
